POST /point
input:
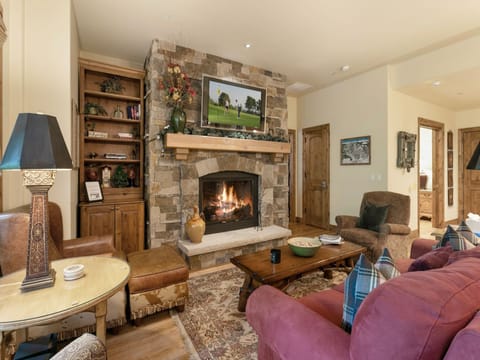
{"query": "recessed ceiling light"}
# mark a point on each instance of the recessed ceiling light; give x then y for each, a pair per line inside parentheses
(248, 46)
(345, 68)
(436, 83)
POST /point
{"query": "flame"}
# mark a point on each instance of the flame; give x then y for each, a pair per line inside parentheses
(227, 202)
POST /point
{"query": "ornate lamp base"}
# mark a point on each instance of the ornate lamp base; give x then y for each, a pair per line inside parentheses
(38, 283)
(39, 272)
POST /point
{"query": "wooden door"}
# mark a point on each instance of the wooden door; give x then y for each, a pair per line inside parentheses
(129, 221)
(316, 176)
(292, 175)
(97, 220)
(471, 178)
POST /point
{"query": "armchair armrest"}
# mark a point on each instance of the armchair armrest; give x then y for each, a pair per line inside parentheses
(346, 221)
(293, 330)
(397, 229)
(421, 246)
(89, 245)
(86, 347)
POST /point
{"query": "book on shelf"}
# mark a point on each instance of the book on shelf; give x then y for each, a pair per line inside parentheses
(133, 112)
(115, 156)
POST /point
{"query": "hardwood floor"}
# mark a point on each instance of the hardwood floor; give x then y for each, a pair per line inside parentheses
(158, 337)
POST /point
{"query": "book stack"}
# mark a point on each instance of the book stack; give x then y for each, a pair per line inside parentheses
(133, 112)
(330, 239)
(115, 156)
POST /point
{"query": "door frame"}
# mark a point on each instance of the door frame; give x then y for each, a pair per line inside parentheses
(438, 172)
(292, 175)
(461, 169)
(305, 132)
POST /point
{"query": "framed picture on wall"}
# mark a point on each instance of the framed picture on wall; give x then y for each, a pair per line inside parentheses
(450, 159)
(450, 197)
(355, 151)
(450, 140)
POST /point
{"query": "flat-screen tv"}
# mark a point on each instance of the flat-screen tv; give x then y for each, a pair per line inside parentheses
(229, 105)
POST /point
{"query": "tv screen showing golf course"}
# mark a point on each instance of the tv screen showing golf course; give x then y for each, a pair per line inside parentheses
(232, 106)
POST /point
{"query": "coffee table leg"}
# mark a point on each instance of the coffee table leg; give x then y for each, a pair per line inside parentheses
(101, 321)
(245, 291)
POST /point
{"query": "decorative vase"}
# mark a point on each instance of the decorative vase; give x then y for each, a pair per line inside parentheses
(195, 226)
(178, 119)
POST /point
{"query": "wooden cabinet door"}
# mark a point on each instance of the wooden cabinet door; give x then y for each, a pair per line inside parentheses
(97, 220)
(129, 232)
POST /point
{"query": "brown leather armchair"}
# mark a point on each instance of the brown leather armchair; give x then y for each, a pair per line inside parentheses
(14, 235)
(13, 257)
(393, 233)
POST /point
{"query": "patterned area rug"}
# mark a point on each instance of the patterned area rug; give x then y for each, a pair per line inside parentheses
(216, 329)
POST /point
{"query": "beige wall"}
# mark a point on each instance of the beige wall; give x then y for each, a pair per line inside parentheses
(355, 107)
(403, 114)
(38, 78)
(467, 119)
(292, 118)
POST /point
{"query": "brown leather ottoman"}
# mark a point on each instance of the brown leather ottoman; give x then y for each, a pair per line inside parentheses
(158, 281)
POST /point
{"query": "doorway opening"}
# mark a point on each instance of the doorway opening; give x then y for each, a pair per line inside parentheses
(431, 189)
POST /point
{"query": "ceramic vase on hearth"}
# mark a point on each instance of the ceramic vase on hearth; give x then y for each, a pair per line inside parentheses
(195, 226)
(178, 120)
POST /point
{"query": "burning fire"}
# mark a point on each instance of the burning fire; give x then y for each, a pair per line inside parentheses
(227, 202)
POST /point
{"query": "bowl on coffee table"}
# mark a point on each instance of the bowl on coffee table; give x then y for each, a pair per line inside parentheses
(304, 246)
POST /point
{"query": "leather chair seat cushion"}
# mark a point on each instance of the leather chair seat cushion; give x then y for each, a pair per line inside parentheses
(155, 268)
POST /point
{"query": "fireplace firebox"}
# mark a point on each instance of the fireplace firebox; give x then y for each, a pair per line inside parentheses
(229, 200)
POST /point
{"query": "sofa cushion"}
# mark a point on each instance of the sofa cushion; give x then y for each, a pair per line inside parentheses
(372, 216)
(458, 255)
(327, 303)
(417, 314)
(386, 266)
(467, 233)
(456, 240)
(434, 259)
(466, 344)
(359, 283)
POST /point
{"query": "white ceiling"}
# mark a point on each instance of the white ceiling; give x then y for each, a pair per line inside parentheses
(308, 40)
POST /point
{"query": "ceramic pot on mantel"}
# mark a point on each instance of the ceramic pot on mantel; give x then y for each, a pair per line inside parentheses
(195, 226)
(178, 120)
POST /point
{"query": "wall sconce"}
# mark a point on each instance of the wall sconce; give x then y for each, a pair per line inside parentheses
(406, 150)
(36, 146)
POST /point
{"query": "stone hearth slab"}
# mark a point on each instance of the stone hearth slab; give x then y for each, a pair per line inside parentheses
(217, 249)
(233, 239)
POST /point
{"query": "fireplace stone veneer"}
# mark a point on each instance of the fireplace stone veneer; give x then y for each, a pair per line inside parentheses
(172, 178)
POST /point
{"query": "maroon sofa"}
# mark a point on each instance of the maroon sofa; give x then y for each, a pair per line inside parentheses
(419, 315)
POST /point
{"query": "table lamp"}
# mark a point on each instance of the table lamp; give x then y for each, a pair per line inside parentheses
(474, 163)
(37, 147)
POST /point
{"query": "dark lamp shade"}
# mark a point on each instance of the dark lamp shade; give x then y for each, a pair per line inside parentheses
(36, 143)
(474, 163)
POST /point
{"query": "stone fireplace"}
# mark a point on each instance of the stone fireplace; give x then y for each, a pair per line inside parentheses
(176, 180)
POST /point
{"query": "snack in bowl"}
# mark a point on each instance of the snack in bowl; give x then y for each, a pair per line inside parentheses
(304, 246)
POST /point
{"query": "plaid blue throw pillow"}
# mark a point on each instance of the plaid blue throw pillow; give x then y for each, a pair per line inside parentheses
(386, 265)
(359, 283)
(456, 240)
(467, 233)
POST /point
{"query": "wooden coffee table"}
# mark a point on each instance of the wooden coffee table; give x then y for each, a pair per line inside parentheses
(260, 271)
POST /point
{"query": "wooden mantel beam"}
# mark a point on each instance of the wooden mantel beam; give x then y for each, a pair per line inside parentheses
(183, 143)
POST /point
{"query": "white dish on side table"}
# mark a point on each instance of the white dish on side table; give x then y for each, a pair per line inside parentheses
(73, 272)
